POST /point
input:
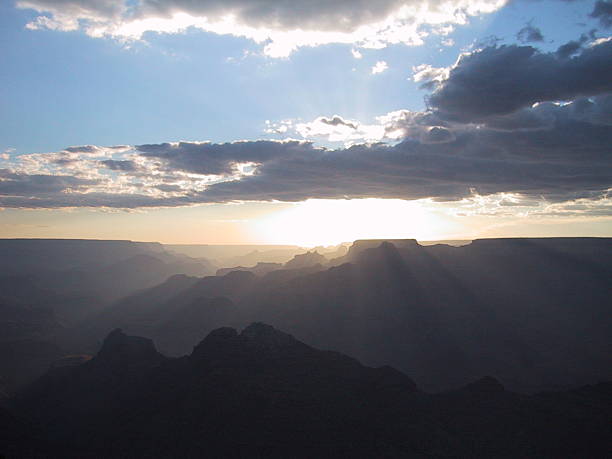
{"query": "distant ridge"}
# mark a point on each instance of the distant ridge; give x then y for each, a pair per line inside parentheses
(531, 312)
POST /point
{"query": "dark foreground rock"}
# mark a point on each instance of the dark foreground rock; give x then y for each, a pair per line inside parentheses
(261, 393)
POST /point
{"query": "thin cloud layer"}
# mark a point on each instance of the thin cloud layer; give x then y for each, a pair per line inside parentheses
(283, 26)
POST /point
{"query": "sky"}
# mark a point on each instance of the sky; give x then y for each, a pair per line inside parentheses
(267, 121)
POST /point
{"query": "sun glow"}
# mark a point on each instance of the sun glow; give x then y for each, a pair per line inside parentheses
(326, 222)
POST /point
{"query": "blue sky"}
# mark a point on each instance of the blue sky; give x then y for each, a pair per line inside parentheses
(61, 88)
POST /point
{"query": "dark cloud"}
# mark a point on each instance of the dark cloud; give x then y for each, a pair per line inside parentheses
(169, 188)
(570, 160)
(594, 110)
(499, 80)
(603, 11)
(12, 183)
(83, 149)
(562, 153)
(284, 25)
(339, 15)
(337, 121)
(64, 161)
(123, 165)
(438, 134)
(219, 159)
(559, 152)
(101, 200)
(84, 9)
(571, 47)
(529, 34)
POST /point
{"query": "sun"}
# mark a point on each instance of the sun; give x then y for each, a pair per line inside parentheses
(329, 221)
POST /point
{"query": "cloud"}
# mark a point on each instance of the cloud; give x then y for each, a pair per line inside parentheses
(379, 67)
(6, 154)
(529, 34)
(499, 80)
(83, 149)
(338, 129)
(216, 159)
(553, 153)
(12, 183)
(338, 121)
(282, 25)
(68, 15)
(603, 11)
(393, 126)
(115, 165)
(564, 162)
(516, 206)
(508, 125)
(438, 134)
(356, 54)
(429, 77)
(571, 47)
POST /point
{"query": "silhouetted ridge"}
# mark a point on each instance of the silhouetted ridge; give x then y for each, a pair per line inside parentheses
(257, 342)
(119, 347)
(266, 335)
(305, 260)
(386, 251)
(240, 276)
(178, 279)
(363, 244)
(486, 385)
(263, 393)
(220, 336)
(389, 378)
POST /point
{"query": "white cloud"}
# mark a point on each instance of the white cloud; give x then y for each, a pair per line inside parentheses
(379, 67)
(428, 74)
(390, 127)
(600, 41)
(424, 127)
(281, 127)
(6, 154)
(282, 26)
(356, 54)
